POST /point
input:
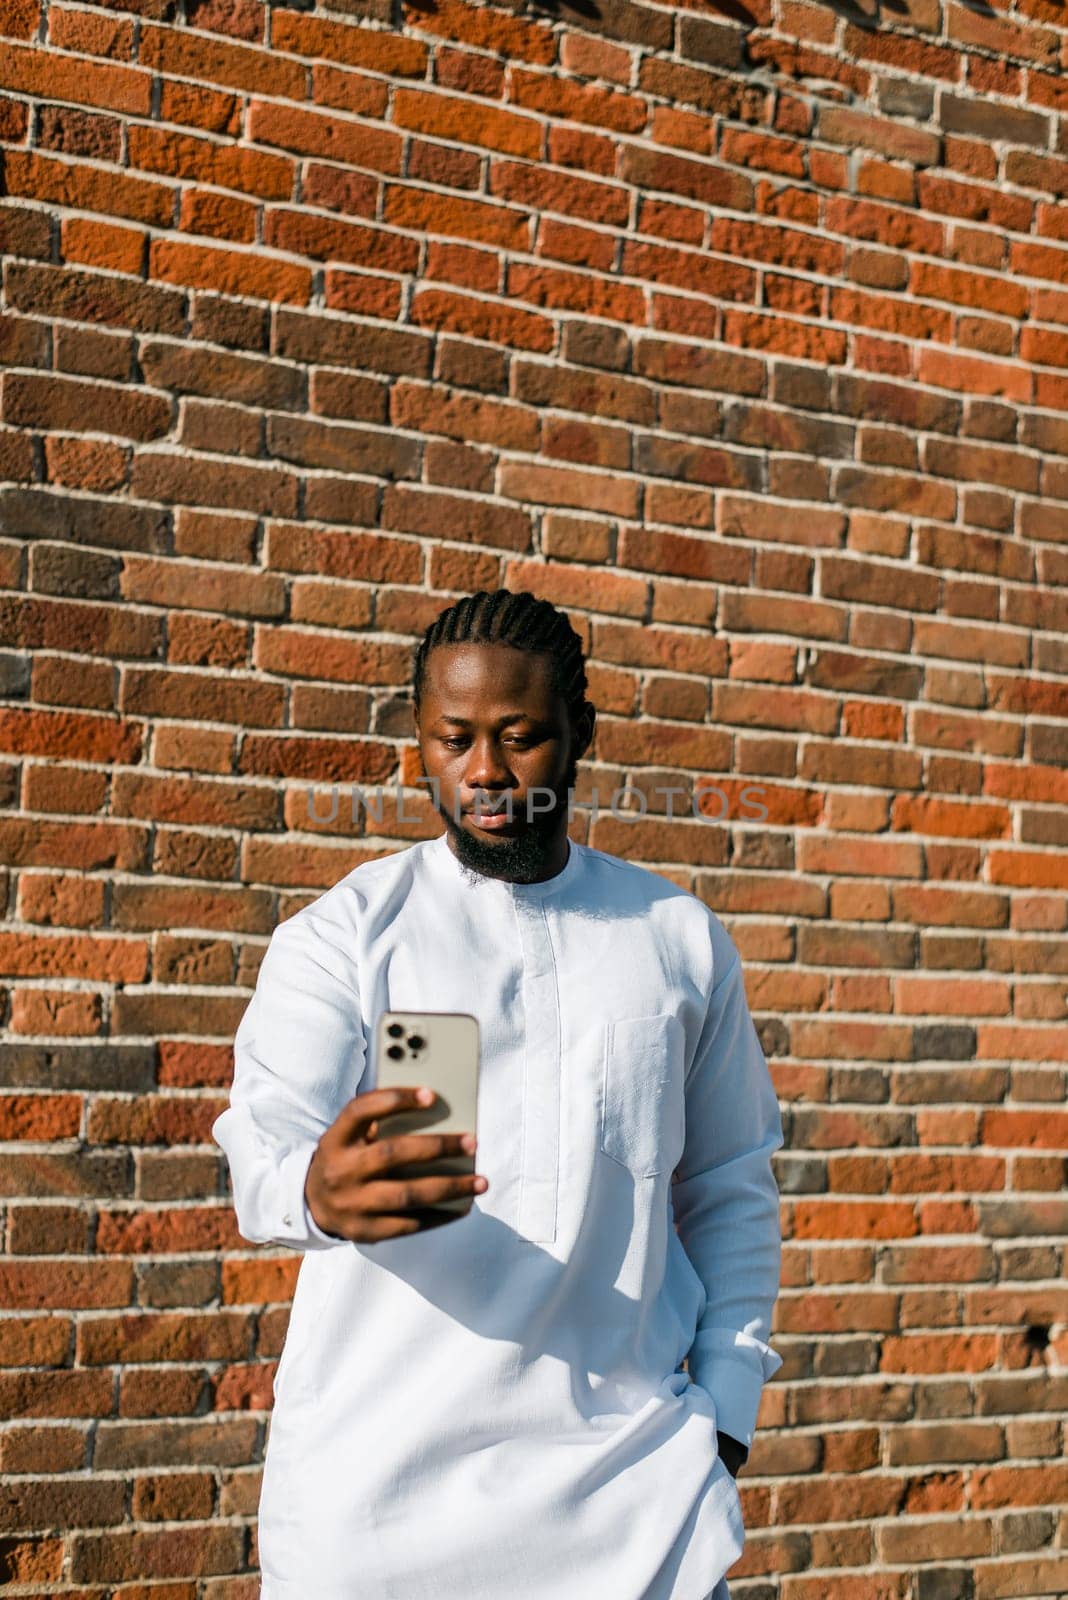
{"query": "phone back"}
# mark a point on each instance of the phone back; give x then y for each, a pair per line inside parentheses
(439, 1048)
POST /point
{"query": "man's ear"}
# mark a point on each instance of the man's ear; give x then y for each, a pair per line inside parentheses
(415, 735)
(585, 724)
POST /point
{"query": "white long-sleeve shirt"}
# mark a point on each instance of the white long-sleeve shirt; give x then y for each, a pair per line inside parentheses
(496, 1409)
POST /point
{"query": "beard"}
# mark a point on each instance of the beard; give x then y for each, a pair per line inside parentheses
(523, 857)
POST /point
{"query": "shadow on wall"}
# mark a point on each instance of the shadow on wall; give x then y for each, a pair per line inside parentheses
(868, 17)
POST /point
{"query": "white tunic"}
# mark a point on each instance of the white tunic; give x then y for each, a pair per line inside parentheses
(495, 1409)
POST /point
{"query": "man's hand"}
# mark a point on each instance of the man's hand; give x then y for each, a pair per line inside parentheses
(349, 1188)
(732, 1453)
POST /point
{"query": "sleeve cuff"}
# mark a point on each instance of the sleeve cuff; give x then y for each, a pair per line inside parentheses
(296, 1225)
(733, 1368)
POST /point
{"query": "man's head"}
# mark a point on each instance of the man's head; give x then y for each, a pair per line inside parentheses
(502, 719)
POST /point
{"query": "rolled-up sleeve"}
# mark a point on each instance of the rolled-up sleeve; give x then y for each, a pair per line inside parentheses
(299, 1055)
(726, 1202)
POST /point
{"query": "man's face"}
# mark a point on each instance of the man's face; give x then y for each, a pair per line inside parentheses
(496, 735)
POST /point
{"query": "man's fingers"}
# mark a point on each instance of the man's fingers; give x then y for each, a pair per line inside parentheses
(363, 1109)
(395, 1196)
(386, 1226)
(398, 1149)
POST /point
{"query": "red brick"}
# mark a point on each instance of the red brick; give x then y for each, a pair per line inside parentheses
(318, 759)
(333, 340)
(443, 165)
(85, 464)
(659, 647)
(513, 38)
(64, 789)
(372, 557)
(588, 152)
(39, 1117)
(85, 188)
(29, 70)
(363, 294)
(595, 58)
(387, 53)
(223, 218)
(704, 181)
(171, 478)
(338, 189)
(86, 847)
(293, 652)
(29, 1285)
(422, 211)
(588, 103)
(689, 85)
(93, 297)
(67, 956)
(20, 19)
(199, 107)
(325, 239)
(171, 906)
(972, 375)
(780, 334)
(588, 589)
(91, 33)
(991, 293)
(229, 271)
(61, 901)
(560, 486)
(202, 750)
(218, 589)
(302, 865)
(573, 291)
(305, 132)
(178, 54)
(841, 126)
(80, 133)
(489, 320)
(196, 802)
(448, 117)
(204, 696)
(38, 401)
(63, 733)
(250, 172)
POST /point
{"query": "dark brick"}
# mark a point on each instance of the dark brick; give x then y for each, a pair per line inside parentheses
(44, 514)
(943, 1042)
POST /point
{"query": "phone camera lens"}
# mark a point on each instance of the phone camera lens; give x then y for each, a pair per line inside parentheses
(395, 1052)
(395, 1030)
(415, 1041)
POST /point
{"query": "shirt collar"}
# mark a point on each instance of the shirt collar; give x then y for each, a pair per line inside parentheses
(564, 879)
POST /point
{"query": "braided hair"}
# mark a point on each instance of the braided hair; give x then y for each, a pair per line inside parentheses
(499, 616)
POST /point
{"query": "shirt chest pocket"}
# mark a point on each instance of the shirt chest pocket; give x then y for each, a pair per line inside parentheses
(642, 1105)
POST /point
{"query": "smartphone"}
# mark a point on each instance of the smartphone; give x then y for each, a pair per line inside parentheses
(441, 1049)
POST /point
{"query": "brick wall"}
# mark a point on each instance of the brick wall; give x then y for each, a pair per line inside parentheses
(742, 333)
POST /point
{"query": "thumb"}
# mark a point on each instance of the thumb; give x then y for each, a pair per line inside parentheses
(360, 1118)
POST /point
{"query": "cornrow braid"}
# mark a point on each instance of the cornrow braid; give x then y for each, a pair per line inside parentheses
(499, 616)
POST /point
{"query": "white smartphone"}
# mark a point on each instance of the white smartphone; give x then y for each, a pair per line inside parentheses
(441, 1049)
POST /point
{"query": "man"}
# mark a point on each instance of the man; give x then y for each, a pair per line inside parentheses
(491, 1404)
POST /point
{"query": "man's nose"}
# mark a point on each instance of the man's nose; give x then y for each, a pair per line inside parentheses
(487, 768)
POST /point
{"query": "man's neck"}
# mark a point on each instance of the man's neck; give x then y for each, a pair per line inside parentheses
(549, 864)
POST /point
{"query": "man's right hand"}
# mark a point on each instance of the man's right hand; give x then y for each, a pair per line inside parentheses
(349, 1189)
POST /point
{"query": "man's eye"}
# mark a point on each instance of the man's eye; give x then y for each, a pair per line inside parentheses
(453, 744)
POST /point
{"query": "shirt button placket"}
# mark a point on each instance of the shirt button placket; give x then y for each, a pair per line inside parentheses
(540, 1161)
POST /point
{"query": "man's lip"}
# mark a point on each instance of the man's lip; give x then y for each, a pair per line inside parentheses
(491, 821)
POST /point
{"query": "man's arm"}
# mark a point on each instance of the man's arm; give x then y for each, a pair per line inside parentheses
(298, 1057)
(726, 1204)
